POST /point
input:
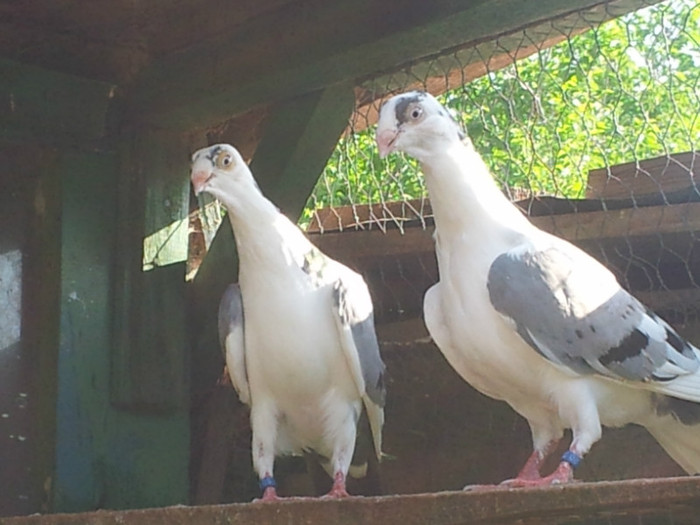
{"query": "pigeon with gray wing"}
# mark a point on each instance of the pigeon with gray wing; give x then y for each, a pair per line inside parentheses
(298, 332)
(528, 318)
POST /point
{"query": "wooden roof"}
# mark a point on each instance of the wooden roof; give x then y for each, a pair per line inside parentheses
(197, 63)
(114, 40)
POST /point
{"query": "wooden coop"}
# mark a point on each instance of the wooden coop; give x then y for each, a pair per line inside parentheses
(110, 397)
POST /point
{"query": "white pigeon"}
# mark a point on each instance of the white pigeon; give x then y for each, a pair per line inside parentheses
(528, 318)
(306, 358)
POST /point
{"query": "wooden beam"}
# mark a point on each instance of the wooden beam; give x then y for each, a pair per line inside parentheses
(658, 176)
(148, 357)
(574, 227)
(87, 248)
(300, 136)
(352, 245)
(272, 58)
(663, 500)
(625, 223)
(39, 105)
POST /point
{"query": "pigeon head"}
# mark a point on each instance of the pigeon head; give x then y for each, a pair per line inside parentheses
(219, 170)
(416, 124)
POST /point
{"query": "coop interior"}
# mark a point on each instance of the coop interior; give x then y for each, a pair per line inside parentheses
(113, 394)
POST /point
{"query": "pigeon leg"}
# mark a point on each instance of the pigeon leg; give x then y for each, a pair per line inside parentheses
(342, 455)
(270, 494)
(531, 469)
(269, 488)
(564, 473)
(338, 489)
(262, 420)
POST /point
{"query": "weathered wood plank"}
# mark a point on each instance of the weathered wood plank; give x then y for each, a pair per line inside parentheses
(625, 223)
(661, 175)
(241, 69)
(87, 248)
(149, 352)
(583, 226)
(671, 500)
(114, 40)
(43, 106)
(355, 244)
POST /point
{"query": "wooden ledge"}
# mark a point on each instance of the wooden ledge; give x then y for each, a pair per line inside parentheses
(663, 500)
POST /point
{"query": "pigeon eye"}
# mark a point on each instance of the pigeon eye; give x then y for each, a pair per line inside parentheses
(224, 161)
(416, 113)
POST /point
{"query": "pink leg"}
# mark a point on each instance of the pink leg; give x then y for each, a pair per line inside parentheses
(338, 490)
(529, 473)
(529, 476)
(531, 469)
(267, 483)
(270, 494)
(564, 473)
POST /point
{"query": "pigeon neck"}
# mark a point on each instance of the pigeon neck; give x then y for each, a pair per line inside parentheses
(264, 236)
(463, 193)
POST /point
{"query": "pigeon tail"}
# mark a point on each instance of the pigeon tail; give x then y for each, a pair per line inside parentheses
(680, 441)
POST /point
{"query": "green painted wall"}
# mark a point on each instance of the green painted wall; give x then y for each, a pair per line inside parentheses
(106, 457)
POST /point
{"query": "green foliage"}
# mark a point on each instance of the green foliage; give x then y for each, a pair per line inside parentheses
(626, 90)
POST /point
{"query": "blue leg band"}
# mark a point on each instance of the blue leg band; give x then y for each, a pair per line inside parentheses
(267, 481)
(571, 458)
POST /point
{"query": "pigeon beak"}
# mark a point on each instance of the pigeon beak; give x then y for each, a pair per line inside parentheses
(199, 180)
(386, 141)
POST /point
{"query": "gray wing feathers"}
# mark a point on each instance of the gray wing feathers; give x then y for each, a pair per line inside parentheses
(231, 339)
(354, 318)
(551, 296)
(230, 313)
(370, 361)
(365, 340)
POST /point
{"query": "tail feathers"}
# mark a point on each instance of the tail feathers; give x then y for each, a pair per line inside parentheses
(358, 471)
(681, 441)
(683, 387)
(375, 415)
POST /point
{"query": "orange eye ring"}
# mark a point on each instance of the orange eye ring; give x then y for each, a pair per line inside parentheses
(224, 162)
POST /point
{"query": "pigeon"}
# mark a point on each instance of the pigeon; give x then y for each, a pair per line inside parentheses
(528, 318)
(298, 332)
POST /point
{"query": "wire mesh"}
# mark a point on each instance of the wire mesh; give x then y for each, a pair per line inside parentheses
(544, 107)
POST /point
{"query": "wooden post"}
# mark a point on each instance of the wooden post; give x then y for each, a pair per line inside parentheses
(149, 353)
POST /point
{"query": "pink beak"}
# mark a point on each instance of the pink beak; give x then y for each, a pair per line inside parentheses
(199, 180)
(385, 141)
